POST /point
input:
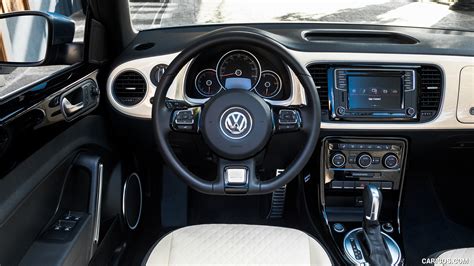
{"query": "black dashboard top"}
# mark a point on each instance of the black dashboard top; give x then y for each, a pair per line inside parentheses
(425, 41)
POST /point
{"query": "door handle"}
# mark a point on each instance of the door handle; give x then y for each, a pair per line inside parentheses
(70, 108)
(80, 99)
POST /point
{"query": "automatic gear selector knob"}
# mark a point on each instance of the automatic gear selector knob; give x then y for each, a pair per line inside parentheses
(372, 203)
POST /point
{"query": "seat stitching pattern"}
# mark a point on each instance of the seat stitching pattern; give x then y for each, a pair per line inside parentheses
(239, 244)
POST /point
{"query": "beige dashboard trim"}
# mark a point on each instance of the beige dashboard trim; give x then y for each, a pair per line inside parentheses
(144, 66)
(450, 65)
(466, 95)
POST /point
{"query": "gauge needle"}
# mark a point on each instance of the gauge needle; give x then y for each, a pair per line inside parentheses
(226, 75)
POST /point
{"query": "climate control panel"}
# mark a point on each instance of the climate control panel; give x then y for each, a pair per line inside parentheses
(352, 163)
(365, 160)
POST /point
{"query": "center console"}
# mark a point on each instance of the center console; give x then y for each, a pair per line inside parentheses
(354, 167)
(349, 165)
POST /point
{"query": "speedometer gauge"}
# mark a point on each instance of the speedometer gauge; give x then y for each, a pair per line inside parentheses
(269, 85)
(206, 83)
(238, 69)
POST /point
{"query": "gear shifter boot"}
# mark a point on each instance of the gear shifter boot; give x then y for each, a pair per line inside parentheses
(373, 246)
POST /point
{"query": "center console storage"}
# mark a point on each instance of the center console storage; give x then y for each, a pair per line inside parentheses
(349, 165)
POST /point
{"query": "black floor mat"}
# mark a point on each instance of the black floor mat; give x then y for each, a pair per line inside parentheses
(425, 227)
(205, 209)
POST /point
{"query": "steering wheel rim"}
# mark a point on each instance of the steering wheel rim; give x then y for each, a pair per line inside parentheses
(161, 115)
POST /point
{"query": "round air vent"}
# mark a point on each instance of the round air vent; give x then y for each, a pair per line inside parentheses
(129, 88)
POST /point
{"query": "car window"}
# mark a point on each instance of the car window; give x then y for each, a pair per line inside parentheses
(13, 79)
(445, 14)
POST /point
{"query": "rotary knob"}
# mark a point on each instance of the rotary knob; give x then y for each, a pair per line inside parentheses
(338, 160)
(390, 161)
(341, 111)
(364, 160)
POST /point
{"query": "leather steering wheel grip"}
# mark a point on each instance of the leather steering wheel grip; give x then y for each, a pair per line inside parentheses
(235, 35)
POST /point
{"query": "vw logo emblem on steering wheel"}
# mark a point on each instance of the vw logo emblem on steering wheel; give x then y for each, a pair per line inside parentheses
(236, 123)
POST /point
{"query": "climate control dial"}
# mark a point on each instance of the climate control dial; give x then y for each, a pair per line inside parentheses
(364, 160)
(390, 161)
(338, 160)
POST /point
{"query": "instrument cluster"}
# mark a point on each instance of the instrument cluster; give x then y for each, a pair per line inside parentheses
(254, 70)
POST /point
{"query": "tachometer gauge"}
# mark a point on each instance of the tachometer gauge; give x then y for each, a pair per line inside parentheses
(238, 69)
(206, 83)
(269, 85)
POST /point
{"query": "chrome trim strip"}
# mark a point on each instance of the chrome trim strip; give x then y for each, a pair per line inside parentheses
(141, 74)
(98, 205)
(365, 170)
(49, 111)
(132, 227)
(376, 204)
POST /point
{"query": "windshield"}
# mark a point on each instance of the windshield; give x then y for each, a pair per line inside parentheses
(445, 14)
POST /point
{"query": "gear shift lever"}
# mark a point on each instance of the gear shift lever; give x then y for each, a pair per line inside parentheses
(374, 248)
(372, 203)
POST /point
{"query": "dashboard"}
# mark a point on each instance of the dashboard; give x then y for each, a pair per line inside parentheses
(413, 101)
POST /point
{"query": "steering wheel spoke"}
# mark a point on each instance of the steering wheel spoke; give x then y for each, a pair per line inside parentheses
(237, 177)
(286, 120)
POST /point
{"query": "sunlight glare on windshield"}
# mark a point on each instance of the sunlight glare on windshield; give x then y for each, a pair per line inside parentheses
(171, 13)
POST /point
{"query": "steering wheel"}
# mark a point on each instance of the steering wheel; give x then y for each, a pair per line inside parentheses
(237, 124)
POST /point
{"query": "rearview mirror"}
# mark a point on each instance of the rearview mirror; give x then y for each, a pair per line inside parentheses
(31, 38)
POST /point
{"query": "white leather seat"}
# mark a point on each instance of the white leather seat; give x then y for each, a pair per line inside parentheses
(461, 256)
(237, 244)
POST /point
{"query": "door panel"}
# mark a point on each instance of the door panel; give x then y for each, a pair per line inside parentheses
(27, 213)
(33, 197)
(31, 119)
(53, 151)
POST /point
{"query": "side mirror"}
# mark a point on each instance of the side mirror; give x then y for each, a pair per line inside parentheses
(32, 38)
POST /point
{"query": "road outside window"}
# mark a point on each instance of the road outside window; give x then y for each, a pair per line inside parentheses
(148, 14)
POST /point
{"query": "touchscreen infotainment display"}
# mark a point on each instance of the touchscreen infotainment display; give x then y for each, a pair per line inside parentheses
(375, 93)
